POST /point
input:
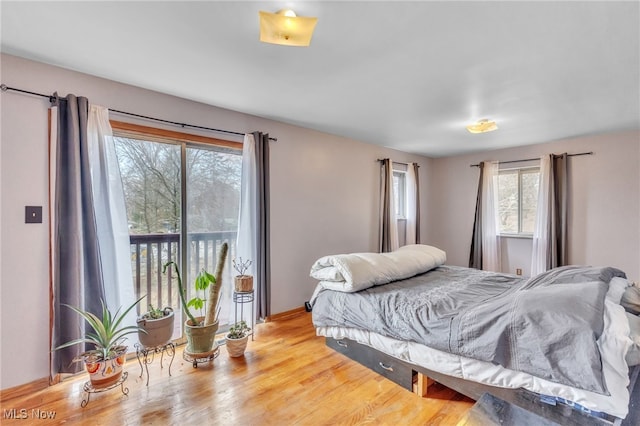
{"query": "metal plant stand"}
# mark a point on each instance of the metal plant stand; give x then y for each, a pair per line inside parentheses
(239, 299)
(146, 356)
(198, 358)
(89, 389)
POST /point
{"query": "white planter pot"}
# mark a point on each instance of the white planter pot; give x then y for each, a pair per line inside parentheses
(236, 347)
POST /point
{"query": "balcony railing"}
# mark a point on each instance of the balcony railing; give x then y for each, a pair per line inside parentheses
(150, 252)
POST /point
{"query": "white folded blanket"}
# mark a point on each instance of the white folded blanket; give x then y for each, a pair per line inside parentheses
(357, 271)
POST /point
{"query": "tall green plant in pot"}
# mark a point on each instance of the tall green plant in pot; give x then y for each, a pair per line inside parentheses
(201, 330)
(104, 362)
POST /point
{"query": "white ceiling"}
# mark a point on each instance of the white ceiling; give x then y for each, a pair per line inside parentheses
(408, 75)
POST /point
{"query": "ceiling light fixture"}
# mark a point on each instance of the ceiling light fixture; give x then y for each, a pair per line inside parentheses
(482, 126)
(285, 28)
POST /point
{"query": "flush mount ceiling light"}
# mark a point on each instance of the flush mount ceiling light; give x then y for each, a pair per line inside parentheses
(285, 28)
(482, 126)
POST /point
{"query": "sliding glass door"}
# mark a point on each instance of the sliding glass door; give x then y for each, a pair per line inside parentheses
(212, 207)
(182, 203)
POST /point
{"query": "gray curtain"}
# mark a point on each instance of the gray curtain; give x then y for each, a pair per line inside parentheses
(475, 256)
(263, 262)
(386, 204)
(77, 278)
(416, 167)
(557, 249)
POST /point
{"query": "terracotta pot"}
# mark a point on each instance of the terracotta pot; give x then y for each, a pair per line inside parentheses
(243, 283)
(104, 373)
(200, 339)
(158, 331)
(236, 347)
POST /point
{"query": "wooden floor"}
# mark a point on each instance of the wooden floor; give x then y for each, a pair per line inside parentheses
(287, 377)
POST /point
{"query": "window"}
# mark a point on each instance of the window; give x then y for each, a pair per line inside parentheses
(518, 200)
(400, 193)
(182, 195)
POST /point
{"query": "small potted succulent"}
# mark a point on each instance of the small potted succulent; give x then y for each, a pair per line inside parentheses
(104, 362)
(243, 283)
(237, 339)
(156, 327)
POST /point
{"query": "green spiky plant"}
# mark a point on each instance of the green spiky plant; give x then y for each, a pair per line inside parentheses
(107, 335)
(203, 282)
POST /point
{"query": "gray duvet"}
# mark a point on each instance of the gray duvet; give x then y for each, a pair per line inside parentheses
(546, 326)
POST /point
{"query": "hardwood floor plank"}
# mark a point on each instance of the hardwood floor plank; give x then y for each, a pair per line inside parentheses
(287, 377)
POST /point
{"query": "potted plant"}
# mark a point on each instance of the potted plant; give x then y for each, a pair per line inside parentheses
(242, 283)
(201, 330)
(156, 327)
(104, 362)
(237, 339)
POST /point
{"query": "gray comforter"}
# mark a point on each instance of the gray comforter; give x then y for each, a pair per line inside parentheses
(546, 326)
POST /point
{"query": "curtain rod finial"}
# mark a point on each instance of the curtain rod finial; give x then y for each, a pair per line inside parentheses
(3, 87)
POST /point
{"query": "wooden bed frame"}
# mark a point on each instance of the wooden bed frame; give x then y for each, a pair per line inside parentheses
(417, 379)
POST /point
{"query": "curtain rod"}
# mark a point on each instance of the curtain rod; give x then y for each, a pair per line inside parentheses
(51, 98)
(534, 159)
(397, 162)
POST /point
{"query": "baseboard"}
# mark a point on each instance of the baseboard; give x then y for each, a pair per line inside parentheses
(286, 314)
(22, 390)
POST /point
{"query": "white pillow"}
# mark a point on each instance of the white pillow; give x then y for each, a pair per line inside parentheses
(329, 273)
(633, 355)
(358, 271)
(631, 300)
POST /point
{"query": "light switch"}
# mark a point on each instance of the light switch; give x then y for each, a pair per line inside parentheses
(33, 214)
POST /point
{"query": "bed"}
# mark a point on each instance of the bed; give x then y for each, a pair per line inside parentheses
(561, 337)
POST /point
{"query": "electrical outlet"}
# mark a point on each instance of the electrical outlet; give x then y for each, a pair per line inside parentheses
(518, 271)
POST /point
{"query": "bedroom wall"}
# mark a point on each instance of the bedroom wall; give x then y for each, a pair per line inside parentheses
(324, 198)
(604, 207)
